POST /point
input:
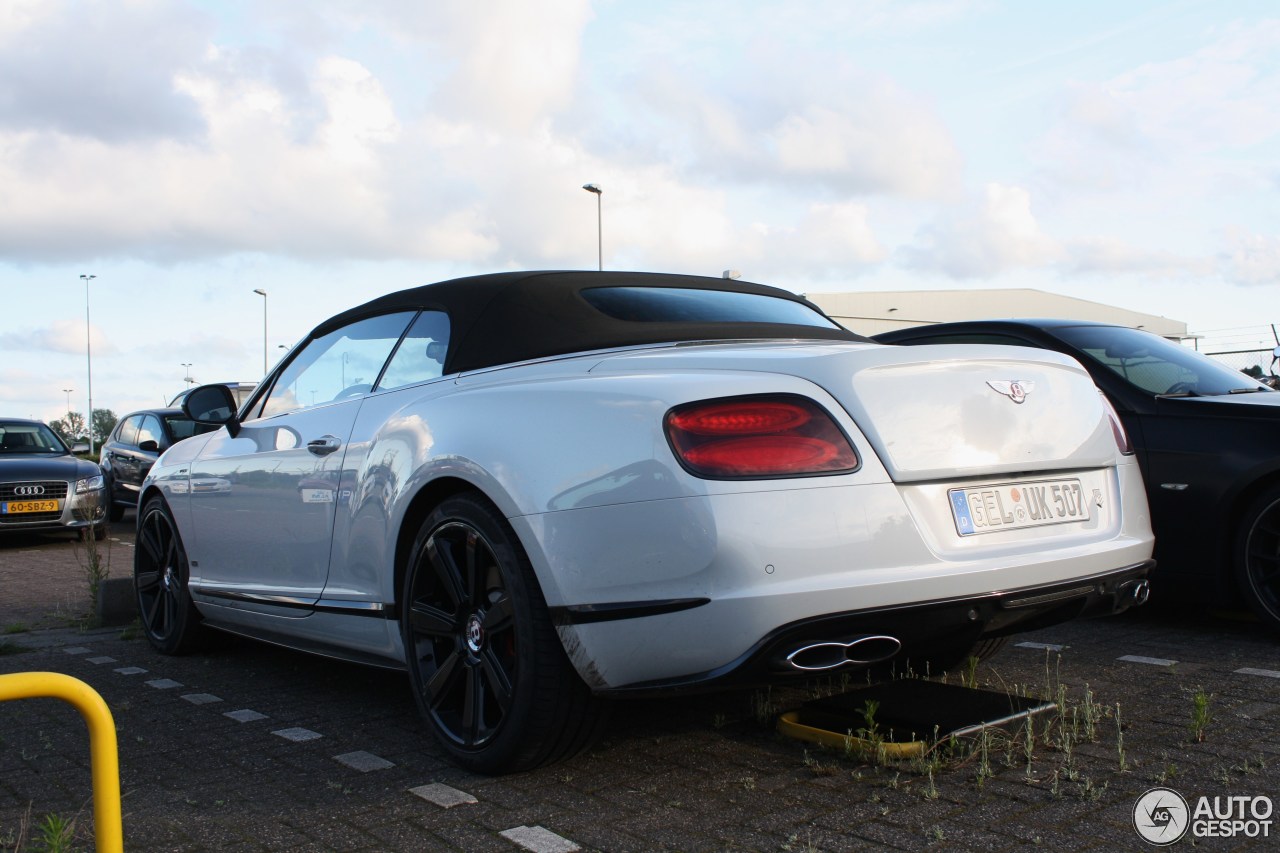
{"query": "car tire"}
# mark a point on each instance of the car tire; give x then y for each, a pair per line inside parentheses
(1257, 557)
(160, 575)
(487, 669)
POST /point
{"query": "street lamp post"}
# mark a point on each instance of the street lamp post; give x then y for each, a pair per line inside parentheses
(187, 378)
(263, 294)
(68, 391)
(88, 355)
(595, 190)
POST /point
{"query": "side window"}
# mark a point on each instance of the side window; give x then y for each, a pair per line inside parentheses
(181, 427)
(129, 430)
(343, 364)
(149, 430)
(420, 356)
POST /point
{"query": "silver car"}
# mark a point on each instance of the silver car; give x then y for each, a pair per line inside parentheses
(538, 491)
(44, 487)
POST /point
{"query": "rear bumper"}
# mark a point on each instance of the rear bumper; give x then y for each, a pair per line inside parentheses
(930, 633)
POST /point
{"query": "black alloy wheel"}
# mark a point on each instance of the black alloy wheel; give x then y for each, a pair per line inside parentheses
(488, 672)
(1258, 557)
(160, 573)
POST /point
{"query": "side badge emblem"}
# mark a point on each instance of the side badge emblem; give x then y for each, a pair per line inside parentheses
(1015, 389)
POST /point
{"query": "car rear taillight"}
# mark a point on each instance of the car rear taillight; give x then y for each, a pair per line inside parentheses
(1117, 428)
(758, 437)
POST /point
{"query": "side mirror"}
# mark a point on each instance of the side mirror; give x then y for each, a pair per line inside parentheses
(149, 446)
(212, 404)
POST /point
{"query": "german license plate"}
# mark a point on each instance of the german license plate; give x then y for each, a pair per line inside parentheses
(1009, 506)
(13, 507)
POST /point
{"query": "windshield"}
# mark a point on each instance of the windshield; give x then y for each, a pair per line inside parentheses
(1155, 364)
(28, 438)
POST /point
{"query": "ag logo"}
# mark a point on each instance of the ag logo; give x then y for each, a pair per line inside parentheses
(1161, 816)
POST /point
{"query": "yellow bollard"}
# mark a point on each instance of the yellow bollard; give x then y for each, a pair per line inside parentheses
(102, 743)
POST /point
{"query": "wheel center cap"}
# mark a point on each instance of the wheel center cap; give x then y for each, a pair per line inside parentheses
(475, 633)
(168, 578)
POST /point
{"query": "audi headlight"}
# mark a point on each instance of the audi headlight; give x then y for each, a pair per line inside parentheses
(89, 484)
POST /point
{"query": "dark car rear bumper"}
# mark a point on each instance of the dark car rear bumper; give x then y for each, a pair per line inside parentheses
(929, 637)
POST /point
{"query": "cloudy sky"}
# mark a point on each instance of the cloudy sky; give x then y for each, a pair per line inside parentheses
(188, 152)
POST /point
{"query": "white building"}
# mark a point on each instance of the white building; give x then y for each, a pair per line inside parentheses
(873, 312)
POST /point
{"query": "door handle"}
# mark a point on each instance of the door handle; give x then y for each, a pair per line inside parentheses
(324, 445)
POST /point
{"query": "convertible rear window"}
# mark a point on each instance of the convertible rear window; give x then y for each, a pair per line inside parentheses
(689, 305)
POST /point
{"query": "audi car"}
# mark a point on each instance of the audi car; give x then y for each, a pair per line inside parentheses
(536, 492)
(1206, 439)
(44, 487)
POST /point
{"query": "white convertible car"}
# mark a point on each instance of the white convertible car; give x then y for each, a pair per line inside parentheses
(536, 491)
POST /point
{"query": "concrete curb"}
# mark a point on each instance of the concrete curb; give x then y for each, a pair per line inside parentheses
(117, 604)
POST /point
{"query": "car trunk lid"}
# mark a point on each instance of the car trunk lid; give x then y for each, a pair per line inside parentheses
(941, 412)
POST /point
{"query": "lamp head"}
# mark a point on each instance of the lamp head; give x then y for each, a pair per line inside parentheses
(593, 188)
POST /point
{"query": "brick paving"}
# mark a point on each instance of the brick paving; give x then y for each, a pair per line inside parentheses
(206, 764)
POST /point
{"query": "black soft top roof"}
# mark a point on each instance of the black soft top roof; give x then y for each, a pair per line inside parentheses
(515, 316)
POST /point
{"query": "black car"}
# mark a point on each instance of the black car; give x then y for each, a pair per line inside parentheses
(133, 446)
(1207, 439)
(44, 487)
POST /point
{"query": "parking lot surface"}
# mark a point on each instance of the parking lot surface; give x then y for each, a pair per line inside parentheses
(250, 747)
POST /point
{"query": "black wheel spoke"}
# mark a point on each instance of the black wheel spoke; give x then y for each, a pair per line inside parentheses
(150, 616)
(149, 543)
(147, 581)
(472, 704)
(495, 678)
(442, 681)
(473, 578)
(445, 567)
(432, 621)
(500, 615)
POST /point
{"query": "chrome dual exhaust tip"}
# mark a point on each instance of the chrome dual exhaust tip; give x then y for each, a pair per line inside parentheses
(819, 657)
(1139, 592)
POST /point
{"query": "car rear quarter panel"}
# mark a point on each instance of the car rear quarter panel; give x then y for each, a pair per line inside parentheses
(541, 442)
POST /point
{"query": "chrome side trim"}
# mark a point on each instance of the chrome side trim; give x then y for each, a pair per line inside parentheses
(254, 597)
(376, 609)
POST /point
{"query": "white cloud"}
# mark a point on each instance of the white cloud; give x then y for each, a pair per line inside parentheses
(832, 127)
(62, 336)
(1111, 255)
(1252, 259)
(1194, 121)
(876, 145)
(506, 64)
(101, 70)
(985, 237)
(831, 241)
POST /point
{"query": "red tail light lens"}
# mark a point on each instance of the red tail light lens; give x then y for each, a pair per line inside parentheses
(1117, 428)
(758, 437)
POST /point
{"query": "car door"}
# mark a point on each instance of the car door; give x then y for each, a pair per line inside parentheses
(263, 500)
(147, 446)
(120, 462)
